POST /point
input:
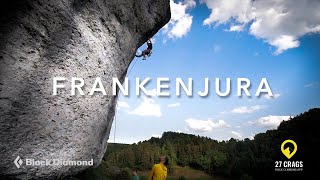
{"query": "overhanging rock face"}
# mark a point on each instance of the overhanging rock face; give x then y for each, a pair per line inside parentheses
(42, 39)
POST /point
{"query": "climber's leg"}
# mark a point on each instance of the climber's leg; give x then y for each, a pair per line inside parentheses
(144, 53)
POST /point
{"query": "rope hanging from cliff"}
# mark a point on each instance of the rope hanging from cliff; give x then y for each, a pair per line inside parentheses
(132, 67)
(145, 53)
(115, 115)
(115, 123)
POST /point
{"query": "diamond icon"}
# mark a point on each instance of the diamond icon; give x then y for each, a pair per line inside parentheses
(18, 162)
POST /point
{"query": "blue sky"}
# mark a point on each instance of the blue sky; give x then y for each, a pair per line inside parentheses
(200, 43)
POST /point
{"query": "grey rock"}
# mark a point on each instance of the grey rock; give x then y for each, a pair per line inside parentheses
(42, 39)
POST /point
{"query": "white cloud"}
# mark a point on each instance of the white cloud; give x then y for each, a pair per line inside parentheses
(278, 22)
(179, 131)
(122, 104)
(236, 28)
(236, 135)
(313, 85)
(223, 11)
(251, 137)
(190, 3)
(246, 109)
(283, 43)
(157, 135)
(174, 105)
(164, 41)
(181, 21)
(204, 125)
(128, 139)
(216, 48)
(275, 96)
(271, 122)
(147, 108)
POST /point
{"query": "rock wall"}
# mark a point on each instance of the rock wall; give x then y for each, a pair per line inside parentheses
(42, 39)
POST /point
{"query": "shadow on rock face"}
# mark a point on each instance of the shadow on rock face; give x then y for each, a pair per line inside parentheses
(40, 40)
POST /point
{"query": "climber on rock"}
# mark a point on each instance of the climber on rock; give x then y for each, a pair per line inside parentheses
(146, 52)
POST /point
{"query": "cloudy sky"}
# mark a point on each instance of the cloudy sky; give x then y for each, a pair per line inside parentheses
(276, 39)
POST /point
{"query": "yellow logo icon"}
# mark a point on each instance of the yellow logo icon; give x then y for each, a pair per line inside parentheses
(287, 152)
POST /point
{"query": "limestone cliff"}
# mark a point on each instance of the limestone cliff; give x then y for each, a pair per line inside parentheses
(42, 39)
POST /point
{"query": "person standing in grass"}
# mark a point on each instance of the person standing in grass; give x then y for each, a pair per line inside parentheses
(135, 175)
(159, 171)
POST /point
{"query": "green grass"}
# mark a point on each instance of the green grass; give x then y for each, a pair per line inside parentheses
(100, 173)
(194, 178)
(187, 172)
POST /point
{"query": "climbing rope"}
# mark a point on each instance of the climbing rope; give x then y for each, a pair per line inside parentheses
(132, 66)
(115, 123)
(115, 115)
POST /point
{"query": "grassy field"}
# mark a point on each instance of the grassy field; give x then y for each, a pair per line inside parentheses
(176, 173)
(187, 172)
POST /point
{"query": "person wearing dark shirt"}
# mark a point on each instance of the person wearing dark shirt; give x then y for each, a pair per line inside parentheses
(147, 51)
(135, 175)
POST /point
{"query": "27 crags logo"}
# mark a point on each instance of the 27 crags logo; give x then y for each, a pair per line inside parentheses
(289, 151)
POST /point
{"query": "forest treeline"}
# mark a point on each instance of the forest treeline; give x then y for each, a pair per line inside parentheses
(238, 159)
